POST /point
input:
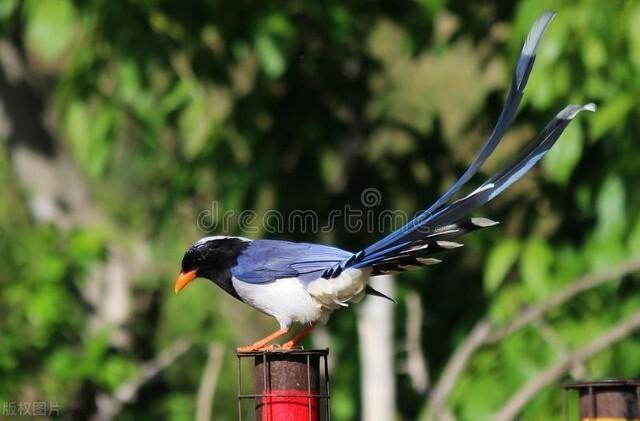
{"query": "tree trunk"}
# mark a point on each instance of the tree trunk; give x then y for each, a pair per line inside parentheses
(377, 354)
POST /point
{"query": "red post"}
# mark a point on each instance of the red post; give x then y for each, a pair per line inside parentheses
(289, 385)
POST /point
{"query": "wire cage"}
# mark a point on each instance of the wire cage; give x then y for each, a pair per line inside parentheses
(290, 385)
(609, 399)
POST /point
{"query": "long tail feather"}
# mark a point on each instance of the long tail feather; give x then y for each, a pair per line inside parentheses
(434, 228)
(530, 155)
(536, 150)
(420, 252)
(514, 97)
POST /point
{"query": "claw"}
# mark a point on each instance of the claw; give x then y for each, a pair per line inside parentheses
(272, 347)
(266, 348)
(290, 345)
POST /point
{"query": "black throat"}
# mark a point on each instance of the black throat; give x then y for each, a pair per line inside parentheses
(213, 259)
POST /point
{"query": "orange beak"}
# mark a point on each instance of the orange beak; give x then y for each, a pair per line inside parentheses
(183, 279)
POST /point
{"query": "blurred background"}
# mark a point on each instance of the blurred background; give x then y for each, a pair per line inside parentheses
(123, 122)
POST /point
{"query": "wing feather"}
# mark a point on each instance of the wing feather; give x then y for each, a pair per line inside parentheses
(267, 260)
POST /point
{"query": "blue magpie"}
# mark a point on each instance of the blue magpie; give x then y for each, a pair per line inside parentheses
(305, 283)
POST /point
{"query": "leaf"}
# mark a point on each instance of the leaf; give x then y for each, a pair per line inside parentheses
(610, 115)
(195, 125)
(7, 7)
(115, 371)
(49, 27)
(569, 264)
(85, 246)
(634, 239)
(535, 266)
(500, 260)
(90, 136)
(563, 157)
(331, 166)
(77, 127)
(433, 7)
(594, 53)
(603, 250)
(271, 57)
(273, 42)
(634, 36)
(507, 302)
(95, 348)
(610, 207)
(562, 78)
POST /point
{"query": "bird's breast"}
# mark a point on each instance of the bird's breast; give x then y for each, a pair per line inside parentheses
(286, 299)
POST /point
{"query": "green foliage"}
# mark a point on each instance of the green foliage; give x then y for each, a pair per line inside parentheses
(499, 262)
(565, 155)
(50, 27)
(301, 105)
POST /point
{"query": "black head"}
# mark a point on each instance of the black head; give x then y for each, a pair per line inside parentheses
(211, 258)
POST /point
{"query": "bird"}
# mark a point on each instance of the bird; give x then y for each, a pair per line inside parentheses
(305, 283)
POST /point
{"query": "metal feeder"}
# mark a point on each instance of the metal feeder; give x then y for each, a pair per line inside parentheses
(290, 385)
(609, 399)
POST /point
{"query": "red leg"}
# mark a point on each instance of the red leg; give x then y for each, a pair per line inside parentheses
(299, 337)
(261, 344)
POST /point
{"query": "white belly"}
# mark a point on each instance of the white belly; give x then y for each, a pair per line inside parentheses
(285, 299)
(288, 300)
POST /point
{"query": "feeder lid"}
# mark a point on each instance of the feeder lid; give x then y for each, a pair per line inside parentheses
(614, 382)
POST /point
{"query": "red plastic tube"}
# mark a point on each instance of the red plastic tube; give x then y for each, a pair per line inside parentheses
(289, 405)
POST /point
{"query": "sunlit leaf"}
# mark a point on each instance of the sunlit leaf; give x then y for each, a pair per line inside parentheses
(610, 115)
(195, 125)
(610, 206)
(563, 157)
(271, 57)
(500, 260)
(7, 7)
(594, 53)
(50, 27)
(272, 44)
(115, 371)
(634, 35)
(535, 267)
(634, 238)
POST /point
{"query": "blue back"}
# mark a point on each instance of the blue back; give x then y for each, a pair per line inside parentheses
(267, 260)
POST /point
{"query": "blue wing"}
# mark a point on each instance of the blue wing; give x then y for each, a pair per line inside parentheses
(267, 260)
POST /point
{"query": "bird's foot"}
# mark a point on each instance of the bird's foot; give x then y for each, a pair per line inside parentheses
(261, 345)
(248, 348)
(273, 347)
(289, 345)
(254, 347)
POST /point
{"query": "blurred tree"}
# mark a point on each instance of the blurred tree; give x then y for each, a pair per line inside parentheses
(130, 125)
